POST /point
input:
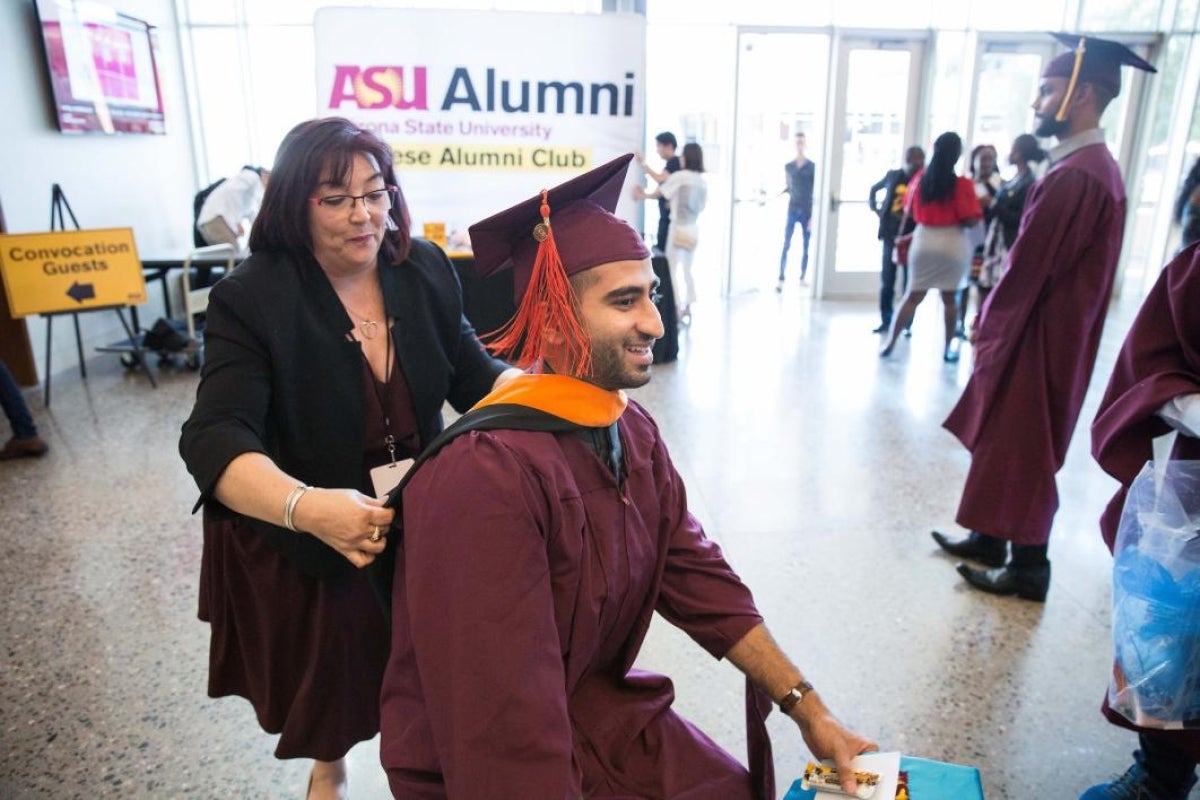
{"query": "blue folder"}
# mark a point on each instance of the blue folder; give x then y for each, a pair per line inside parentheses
(927, 780)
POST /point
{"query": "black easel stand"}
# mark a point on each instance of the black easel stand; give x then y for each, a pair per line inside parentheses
(58, 202)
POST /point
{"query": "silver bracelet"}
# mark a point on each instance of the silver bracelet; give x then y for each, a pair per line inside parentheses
(289, 506)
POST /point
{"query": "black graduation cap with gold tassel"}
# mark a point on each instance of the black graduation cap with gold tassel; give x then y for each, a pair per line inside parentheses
(1091, 60)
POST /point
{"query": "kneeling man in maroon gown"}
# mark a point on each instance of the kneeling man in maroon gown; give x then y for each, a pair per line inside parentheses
(535, 551)
(1038, 332)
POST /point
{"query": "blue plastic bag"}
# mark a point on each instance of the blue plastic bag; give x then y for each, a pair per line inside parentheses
(1156, 600)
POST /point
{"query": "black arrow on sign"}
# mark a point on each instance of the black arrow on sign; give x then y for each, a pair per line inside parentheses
(81, 291)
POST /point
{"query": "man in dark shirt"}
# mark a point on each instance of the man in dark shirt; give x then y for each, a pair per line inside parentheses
(665, 143)
(895, 187)
(800, 173)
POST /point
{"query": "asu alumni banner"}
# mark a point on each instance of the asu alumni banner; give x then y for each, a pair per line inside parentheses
(484, 108)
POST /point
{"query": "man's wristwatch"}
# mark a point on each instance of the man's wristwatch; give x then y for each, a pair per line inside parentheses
(794, 696)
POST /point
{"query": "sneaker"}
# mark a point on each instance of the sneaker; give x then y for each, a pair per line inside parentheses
(1135, 784)
(779, 286)
(23, 448)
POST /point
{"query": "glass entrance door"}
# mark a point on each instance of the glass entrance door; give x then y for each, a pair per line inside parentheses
(782, 80)
(874, 120)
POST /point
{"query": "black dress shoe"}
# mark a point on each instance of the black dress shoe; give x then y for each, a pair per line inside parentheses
(882, 328)
(1027, 583)
(976, 547)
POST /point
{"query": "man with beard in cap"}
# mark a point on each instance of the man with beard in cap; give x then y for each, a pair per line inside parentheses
(536, 550)
(1038, 332)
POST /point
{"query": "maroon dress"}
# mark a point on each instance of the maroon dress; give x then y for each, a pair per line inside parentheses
(1036, 345)
(279, 634)
(1159, 361)
(517, 617)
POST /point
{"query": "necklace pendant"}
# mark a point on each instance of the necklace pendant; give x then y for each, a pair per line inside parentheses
(370, 328)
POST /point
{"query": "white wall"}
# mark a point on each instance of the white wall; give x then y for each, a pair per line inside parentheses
(139, 181)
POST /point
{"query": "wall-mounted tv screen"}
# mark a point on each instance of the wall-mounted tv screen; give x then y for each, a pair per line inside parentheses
(103, 68)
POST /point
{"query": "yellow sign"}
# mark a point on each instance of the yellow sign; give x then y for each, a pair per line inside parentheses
(46, 273)
(436, 233)
(491, 158)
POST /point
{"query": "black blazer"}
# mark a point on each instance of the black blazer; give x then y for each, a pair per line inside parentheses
(281, 378)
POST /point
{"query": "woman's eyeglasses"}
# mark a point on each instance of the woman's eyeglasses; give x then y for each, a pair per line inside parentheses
(378, 200)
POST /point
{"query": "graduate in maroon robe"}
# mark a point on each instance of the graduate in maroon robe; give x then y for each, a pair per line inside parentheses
(1038, 332)
(1155, 386)
(532, 561)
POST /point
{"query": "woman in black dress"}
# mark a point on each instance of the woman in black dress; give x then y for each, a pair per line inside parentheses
(329, 354)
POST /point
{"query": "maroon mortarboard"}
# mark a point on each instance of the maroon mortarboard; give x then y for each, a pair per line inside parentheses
(545, 240)
(1092, 60)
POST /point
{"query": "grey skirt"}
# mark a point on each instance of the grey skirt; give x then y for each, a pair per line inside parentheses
(939, 258)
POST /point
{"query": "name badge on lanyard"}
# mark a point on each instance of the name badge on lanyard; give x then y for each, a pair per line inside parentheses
(386, 476)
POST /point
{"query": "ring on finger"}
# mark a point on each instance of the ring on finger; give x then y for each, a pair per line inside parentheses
(376, 534)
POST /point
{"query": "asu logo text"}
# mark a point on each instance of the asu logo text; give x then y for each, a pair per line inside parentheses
(379, 87)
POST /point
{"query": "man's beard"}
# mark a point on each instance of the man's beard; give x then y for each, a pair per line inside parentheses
(1050, 126)
(610, 369)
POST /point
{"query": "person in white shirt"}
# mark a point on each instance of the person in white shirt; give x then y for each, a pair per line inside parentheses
(687, 193)
(231, 207)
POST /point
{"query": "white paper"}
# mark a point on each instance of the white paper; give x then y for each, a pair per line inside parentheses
(886, 765)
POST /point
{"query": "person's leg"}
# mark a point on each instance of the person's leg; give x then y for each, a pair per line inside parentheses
(806, 229)
(680, 283)
(680, 262)
(903, 319)
(887, 285)
(664, 222)
(962, 301)
(950, 320)
(25, 441)
(328, 780)
(984, 291)
(14, 406)
(787, 243)
(1159, 772)
(1172, 772)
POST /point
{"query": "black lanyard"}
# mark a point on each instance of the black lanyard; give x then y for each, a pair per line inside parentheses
(384, 397)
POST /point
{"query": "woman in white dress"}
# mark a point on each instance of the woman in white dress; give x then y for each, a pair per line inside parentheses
(687, 193)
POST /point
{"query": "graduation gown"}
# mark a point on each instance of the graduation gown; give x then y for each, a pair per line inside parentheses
(524, 588)
(1036, 346)
(1159, 361)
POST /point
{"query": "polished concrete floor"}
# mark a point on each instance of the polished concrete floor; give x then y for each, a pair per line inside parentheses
(819, 467)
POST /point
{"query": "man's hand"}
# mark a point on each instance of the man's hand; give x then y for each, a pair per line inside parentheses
(827, 738)
(758, 656)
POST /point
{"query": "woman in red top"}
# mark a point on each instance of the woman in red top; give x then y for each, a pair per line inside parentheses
(944, 207)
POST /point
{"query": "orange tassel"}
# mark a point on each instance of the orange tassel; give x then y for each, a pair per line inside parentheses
(548, 304)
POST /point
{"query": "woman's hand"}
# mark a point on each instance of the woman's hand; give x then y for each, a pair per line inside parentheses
(346, 520)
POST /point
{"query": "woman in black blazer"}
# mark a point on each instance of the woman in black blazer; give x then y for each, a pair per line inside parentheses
(329, 354)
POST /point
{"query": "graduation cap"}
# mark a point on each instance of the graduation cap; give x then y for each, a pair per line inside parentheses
(545, 240)
(1092, 60)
